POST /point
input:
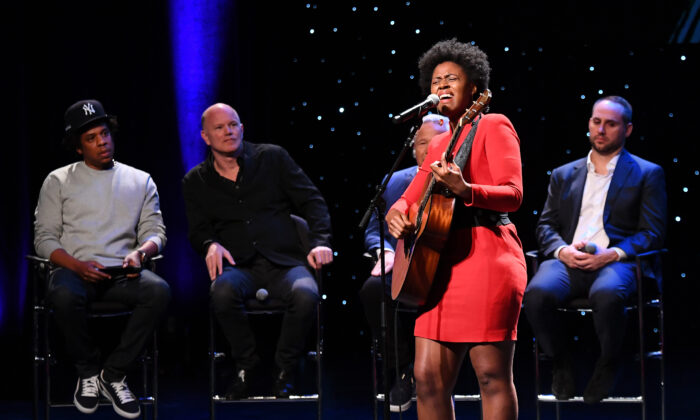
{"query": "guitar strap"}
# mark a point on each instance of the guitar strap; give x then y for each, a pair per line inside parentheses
(482, 217)
(466, 148)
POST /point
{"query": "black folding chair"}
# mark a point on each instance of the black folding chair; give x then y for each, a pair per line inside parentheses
(648, 298)
(46, 358)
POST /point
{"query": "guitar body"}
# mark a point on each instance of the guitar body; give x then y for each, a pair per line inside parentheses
(418, 255)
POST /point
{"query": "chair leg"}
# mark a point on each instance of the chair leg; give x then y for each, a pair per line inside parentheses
(35, 365)
(537, 380)
(375, 406)
(212, 369)
(155, 375)
(47, 369)
(662, 358)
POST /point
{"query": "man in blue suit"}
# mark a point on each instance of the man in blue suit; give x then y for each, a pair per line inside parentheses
(371, 292)
(601, 211)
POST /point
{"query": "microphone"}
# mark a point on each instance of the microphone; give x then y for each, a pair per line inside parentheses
(590, 248)
(261, 295)
(430, 102)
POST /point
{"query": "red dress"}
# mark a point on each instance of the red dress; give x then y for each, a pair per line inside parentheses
(481, 277)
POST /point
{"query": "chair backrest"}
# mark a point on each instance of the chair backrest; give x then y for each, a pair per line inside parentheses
(303, 232)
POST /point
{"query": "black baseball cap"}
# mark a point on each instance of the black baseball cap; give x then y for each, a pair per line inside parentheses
(82, 113)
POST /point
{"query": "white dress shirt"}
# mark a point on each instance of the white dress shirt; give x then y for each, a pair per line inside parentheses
(590, 221)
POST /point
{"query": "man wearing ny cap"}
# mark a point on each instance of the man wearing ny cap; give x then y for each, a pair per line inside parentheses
(92, 216)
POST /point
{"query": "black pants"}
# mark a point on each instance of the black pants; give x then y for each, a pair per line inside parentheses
(371, 296)
(608, 290)
(295, 286)
(69, 295)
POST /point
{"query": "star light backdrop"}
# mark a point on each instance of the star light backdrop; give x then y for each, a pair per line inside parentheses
(322, 80)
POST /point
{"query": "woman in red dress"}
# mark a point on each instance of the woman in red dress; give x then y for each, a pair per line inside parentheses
(474, 304)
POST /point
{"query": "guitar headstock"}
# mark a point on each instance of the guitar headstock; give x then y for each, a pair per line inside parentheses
(476, 108)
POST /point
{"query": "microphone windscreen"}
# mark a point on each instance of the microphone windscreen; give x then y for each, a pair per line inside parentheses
(261, 295)
(590, 248)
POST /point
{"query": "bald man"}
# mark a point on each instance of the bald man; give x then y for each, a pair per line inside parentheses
(238, 203)
(371, 292)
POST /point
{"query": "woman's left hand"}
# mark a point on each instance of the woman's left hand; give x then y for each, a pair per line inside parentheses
(450, 175)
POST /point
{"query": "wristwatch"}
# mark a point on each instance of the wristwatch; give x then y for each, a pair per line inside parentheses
(142, 253)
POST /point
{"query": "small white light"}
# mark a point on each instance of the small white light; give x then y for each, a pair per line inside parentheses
(341, 109)
(506, 49)
(678, 218)
(591, 68)
(583, 96)
(682, 58)
(417, 31)
(312, 31)
(311, 146)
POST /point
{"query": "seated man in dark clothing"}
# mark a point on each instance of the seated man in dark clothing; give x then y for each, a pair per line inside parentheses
(91, 215)
(371, 292)
(601, 211)
(238, 204)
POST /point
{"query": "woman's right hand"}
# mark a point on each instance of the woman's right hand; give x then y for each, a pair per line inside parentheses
(399, 224)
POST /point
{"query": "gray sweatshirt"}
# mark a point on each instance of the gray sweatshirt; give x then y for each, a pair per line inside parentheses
(99, 215)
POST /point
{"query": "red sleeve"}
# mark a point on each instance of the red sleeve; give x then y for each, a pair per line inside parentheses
(414, 191)
(495, 166)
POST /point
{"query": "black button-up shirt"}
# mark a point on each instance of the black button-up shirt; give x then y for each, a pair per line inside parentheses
(252, 214)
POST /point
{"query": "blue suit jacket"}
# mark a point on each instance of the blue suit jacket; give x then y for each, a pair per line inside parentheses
(634, 215)
(397, 185)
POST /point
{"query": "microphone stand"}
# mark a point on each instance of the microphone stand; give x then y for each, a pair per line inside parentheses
(378, 205)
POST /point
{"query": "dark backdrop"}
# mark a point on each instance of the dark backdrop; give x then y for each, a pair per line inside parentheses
(289, 70)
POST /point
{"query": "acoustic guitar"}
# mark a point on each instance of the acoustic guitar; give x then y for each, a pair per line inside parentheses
(418, 253)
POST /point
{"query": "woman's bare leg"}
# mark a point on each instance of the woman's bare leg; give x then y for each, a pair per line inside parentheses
(435, 370)
(493, 365)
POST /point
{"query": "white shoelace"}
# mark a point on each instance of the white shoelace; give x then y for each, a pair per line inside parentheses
(89, 386)
(122, 391)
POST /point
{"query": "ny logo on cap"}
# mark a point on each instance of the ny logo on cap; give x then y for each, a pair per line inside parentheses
(89, 109)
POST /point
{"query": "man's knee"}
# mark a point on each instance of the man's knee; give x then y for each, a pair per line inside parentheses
(371, 288)
(604, 300)
(538, 298)
(304, 295)
(157, 290)
(66, 290)
(227, 289)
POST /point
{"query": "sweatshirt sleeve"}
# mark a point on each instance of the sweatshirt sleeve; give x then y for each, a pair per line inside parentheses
(48, 218)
